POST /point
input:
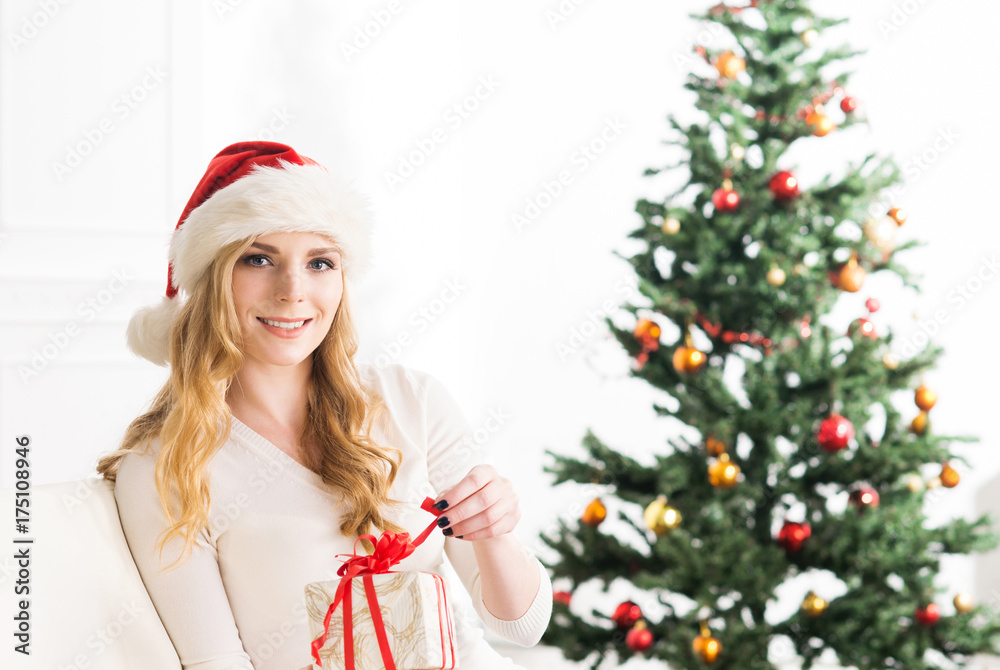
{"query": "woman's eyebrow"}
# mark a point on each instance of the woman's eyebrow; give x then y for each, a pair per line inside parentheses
(311, 252)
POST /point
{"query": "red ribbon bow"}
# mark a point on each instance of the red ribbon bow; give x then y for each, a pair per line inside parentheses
(390, 549)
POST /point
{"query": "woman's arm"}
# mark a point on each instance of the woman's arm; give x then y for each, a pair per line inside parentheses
(191, 600)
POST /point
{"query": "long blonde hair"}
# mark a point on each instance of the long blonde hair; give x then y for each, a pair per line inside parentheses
(192, 420)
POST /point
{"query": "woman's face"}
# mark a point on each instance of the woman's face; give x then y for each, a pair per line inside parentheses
(286, 289)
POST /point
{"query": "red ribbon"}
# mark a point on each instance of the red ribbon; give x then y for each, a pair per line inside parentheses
(390, 549)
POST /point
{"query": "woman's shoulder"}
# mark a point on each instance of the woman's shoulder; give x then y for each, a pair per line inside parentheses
(395, 378)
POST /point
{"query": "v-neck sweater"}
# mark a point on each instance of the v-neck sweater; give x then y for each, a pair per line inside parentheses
(238, 601)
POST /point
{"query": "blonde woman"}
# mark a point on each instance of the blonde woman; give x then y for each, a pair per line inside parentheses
(269, 450)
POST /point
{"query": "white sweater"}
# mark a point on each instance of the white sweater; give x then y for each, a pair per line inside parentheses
(238, 602)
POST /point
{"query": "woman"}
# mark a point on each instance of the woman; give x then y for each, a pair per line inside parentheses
(268, 451)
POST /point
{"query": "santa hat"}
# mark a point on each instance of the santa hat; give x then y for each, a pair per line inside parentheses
(250, 189)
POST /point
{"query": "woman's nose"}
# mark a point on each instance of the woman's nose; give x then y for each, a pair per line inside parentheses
(289, 286)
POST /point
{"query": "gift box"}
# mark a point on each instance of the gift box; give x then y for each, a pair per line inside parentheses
(413, 612)
(373, 618)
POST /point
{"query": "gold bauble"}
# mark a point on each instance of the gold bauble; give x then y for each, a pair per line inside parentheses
(809, 36)
(671, 226)
(737, 152)
(688, 360)
(919, 423)
(775, 276)
(660, 517)
(707, 647)
(924, 398)
(949, 476)
(813, 605)
(882, 233)
(933, 482)
(723, 473)
(963, 603)
(729, 64)
(890, 361)
(595, 513)
(915, 483)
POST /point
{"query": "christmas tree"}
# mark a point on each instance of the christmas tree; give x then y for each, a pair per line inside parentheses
(804, 467)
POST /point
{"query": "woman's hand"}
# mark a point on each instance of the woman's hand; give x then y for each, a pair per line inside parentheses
(481, 506)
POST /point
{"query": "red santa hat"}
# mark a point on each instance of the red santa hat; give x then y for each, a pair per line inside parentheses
(250, 189)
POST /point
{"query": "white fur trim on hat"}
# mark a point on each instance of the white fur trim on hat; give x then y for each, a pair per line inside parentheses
(292, 198)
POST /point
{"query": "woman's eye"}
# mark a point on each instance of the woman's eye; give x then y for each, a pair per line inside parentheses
(252, 260)
(324, 264)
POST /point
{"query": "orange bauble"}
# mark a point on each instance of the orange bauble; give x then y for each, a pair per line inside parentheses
(898, 215)
(852, 276)
(729, 64)
(925, 398)
(714, 446)
(688, 360)
(595, 513)
(707, 647)
(949, 476)
(821, 123)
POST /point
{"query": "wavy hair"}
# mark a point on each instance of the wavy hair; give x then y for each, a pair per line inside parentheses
(192, 420)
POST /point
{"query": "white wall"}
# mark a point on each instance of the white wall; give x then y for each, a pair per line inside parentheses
(199, 76)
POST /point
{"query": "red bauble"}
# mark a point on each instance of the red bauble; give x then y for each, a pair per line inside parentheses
(793, 535)
(866, 327)
(848, 104)
(784, 186)
(562, 597)
(927, 616)
(835, 432)
(864, 497)
(626, 614)
(639, 638)
(873, 305)
(725, 200)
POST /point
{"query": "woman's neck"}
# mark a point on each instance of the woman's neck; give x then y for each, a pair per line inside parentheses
(273, 395)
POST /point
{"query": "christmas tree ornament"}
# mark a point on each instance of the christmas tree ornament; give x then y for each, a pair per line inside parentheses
(725, 199)
(835, 433)
(793, 535)
(848, 104)
(647, 332)
(949, 476)
(671, 226)
(775, 276)
(821, 123)
(660, 517)
(562, 597)
(873, 305)
(706, 646)
(688, 360)
(933, 482)
(729, 65)
(866, 327)
(863, 498)
(919, 423)
(626, 614)
(737, 152)
(809, 36)
(714, 446)
(851, 276)
(963, 603)
(784, 186)
(890, 361)
(897, 215)
(924, 398)
(639, 638)
(594, 513)
(723, 473)
(813, 605)
(881, 233)
(914, 483)
(927, 616)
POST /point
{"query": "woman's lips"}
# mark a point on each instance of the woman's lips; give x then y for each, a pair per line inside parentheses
(285, 332)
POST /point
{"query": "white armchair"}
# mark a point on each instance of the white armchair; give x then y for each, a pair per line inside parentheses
(88, 607)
